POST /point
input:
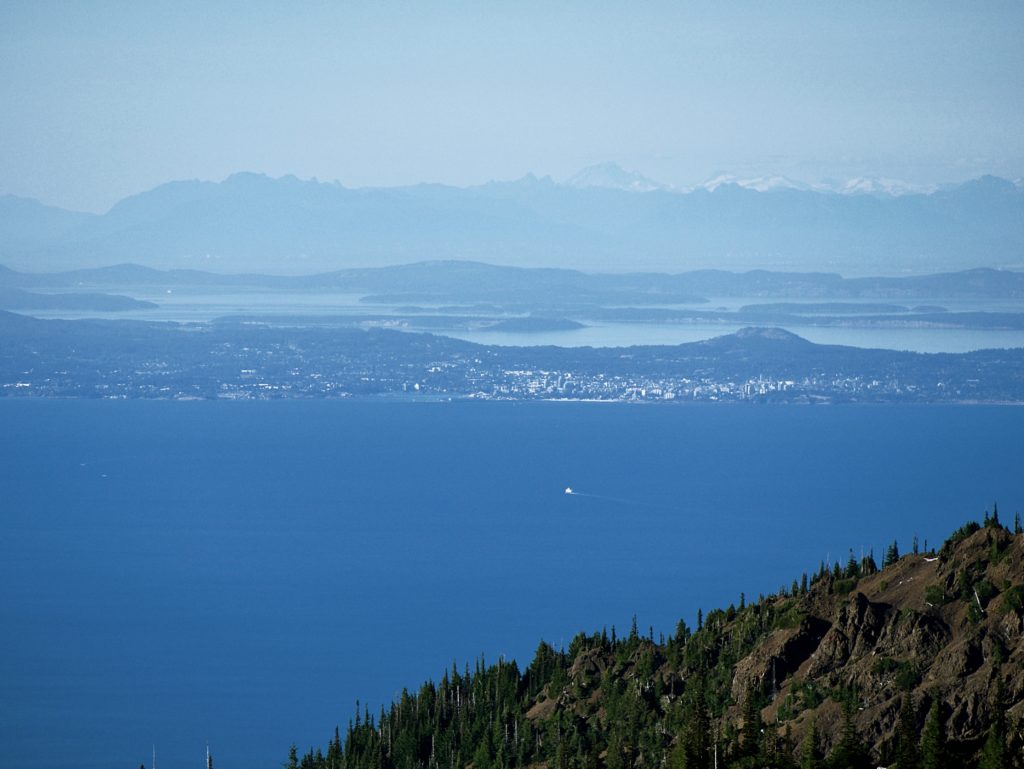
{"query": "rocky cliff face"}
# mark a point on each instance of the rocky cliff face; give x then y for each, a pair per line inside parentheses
(943, 625)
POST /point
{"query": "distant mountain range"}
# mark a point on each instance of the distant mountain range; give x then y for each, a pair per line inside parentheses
(603, 219)
(461, 282)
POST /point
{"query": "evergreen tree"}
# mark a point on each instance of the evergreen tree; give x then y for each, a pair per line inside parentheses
(849, 752)
(851, 566)
(908, 755)
(933, 740)
(614, 759)
(994, 754)
(868, 565)
(892, 554)
(697, 736)
(677, 758)
(751, 735)
(810, 752)
(1016, 524)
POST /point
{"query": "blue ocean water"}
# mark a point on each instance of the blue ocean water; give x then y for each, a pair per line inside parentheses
(238, 574)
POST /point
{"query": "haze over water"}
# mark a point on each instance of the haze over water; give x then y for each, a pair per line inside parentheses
(203, 306)
(238, 574)
(241, 573)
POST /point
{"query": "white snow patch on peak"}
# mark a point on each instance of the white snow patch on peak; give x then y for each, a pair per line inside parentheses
(769, 183)
(613, 176)
(870, 185)
(861, 185)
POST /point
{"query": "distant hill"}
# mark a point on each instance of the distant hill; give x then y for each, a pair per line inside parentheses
(463, 281)
(27, 225)
(16, 299)
(605, 219)
(857, 664)
(596, 296)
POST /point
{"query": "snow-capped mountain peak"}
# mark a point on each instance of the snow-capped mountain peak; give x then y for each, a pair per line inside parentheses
(613, 176)
(861, 185)
(868, 185)
(769, 183)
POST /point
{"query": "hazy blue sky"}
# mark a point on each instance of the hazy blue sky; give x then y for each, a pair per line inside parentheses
(103, 99)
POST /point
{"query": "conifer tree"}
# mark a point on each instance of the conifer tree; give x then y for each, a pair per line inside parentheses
(810, 753)
(892, 554)
(1016, 524)
(771, 746)
(932, 740)
(868, 565)
(908, 755)
(994, 754)
(677, 758)
(751, 739)
(614, 760)
(698, 728)
(849, 752)
(851, 566)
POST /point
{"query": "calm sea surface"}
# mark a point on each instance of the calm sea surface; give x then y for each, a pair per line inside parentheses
(240, 573)
(193, 306)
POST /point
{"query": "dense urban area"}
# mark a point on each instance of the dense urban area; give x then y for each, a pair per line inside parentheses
(250, 360)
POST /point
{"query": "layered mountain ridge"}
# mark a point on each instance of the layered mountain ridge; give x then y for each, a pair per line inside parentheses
(607, 220)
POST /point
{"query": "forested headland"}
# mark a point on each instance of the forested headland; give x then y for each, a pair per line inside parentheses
(916, 662)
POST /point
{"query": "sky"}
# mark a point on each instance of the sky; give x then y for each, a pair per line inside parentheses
(100, 100)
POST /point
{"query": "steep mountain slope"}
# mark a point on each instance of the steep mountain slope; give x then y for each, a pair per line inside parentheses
(854, 663)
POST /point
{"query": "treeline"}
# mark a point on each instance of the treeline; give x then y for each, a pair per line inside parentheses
(611, 702)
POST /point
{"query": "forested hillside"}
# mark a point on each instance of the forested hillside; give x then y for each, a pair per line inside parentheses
(918, 664)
